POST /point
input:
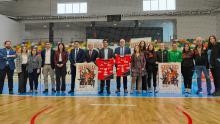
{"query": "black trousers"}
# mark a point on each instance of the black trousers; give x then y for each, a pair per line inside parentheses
(151, 72)
(33, 80)
(216, 76)
(3, 72)
(73, 77)
(22, 78)
(103, 85)
(119, 82)
(187, 73)
(60, 77)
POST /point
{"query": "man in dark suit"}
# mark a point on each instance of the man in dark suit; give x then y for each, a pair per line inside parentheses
(48, 66)
(7, 66)
(105, 53)
(77, 55)
(91, 54)
(122, 51)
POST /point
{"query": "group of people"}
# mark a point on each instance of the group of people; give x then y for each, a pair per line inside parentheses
(144, 65)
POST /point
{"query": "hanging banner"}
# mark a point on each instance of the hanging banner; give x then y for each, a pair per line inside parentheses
(86, 78)
(170, 78)
(105, 69)
(123, 65)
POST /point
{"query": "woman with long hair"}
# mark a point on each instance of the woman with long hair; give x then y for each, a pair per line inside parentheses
(143, 47)
(60, 60)
(138, 70)
(152, 67)
(214, 62)
(33, 68)
(21, 65)
(187, 67)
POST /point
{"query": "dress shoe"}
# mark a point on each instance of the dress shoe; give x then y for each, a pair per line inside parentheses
(45, 91)
(71, 91)
(101, 92)
(53, 90)
(125, 91)
(117, 91)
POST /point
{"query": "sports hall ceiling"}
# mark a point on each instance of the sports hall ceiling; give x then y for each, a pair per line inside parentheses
(95, 7)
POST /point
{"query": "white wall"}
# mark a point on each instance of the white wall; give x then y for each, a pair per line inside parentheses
(193, 26)
(10, 30)
(218, 26)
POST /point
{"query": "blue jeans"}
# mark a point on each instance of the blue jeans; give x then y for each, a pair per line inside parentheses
(199, 70)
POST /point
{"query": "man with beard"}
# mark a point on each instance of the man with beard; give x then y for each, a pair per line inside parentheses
(7, 66)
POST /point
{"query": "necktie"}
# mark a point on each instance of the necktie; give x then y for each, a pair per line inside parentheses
(122, 51)
(76, 53)
(90, 53)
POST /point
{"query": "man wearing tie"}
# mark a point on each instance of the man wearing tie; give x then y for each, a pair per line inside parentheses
(91, 54)
(77, 55)
(122, 51)
(105, 53)
(7, 66)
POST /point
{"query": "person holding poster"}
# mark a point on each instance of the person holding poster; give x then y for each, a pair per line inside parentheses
(77, 55)
(162, 54)
(105, 53)
(138, 70)
(91, 54)
(174, 55)
(187, 67)
(152, 67)
(121, 52)
(201, 62)
(60, 60)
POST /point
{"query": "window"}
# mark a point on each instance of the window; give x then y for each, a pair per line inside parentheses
(155, 5)
(71, 8)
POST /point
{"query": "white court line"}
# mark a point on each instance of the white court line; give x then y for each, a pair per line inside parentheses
(129, 105)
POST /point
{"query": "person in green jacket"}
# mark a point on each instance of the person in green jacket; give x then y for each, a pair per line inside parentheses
(174, 55)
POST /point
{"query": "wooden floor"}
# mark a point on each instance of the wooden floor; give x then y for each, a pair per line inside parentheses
(108, 110)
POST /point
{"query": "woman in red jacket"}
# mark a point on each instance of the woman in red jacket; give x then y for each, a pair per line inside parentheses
(60, 60)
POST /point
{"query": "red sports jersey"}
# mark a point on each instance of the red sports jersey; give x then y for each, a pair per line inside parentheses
(123, 65)
(105, 69)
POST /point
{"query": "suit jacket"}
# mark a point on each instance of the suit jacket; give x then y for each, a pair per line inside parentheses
(126, 51)
(4, 59)
(64, 56)
(102, 54)
(80, 58)
(52, 53)
(19, 62)
(34, 62)
(93, 57)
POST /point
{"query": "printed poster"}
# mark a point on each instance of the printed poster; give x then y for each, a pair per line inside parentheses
(170, 78)
(86, 77)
